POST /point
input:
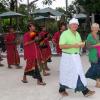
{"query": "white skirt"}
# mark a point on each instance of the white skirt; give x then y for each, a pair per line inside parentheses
(70, 69)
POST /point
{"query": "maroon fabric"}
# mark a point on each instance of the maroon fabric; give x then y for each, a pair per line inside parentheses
(30, 65)
(55, 40)
(12, 53)
(46, 52)
(31, 51)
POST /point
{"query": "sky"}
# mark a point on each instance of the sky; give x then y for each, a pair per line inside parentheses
(57, 3)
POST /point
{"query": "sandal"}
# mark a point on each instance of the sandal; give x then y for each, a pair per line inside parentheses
(64, 93)
(1, 65)
(47, 69)
(9, 67)
(41, 83)
(17, 67)
(46, 74)
(24, 81)
(90, 93)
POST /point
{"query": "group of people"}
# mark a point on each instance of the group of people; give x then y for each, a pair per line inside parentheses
(71, 71)
(37, 54)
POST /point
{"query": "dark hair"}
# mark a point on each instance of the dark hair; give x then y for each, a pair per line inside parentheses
(62, 24)
(30, 24)
(42, 26)
(10, 27)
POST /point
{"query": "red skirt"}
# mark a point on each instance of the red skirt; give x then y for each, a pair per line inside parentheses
(30, 65)
(46, 54)
(13, 56)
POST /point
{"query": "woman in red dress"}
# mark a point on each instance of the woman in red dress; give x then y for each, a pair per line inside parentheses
(11, 46)
(32, 55)
(56, 37)
(45, 49)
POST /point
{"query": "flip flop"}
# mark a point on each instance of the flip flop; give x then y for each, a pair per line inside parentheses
(46, 74)
(1, 65)
(9, 67)
(64, 93)
(24, 81)
(41, 83)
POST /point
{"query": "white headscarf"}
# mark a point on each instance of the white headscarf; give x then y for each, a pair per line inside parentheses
(73, 20)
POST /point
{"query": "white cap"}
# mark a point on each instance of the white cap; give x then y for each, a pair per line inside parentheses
(74, 20)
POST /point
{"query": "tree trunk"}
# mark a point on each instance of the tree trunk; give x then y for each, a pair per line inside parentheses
(87, 26)
(93, 17)
(66, 6)
(12, 9)
(28, 8)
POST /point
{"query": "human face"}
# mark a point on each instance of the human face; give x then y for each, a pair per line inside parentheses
(32, 28)
(63, 27)
(44, 29)
(73, 27)
(11, 30)
(95, 29)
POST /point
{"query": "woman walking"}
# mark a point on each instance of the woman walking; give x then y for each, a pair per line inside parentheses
(11, 42)
(56, 37)
(92, 39)
(71, 71)
(32, 55)
(45, 50)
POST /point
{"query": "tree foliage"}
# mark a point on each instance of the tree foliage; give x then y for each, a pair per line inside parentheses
(92, 6)
(2, 8)
(10, 4)
(22, 9)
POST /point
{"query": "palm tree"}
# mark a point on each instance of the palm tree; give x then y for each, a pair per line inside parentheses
(66, 5)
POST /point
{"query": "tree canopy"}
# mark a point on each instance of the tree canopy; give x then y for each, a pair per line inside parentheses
(91, 6)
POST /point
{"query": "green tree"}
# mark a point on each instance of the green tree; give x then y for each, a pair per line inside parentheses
(10, 4)
(22, 9)
(2, 8)
(60, 9)
(91, 7)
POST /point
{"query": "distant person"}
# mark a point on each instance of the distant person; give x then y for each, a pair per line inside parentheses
(92, 39)
(32, 55)
(71, 70)
(45, 49)
(56, 37)
(11, 45)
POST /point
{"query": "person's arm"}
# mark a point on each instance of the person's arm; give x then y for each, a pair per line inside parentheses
(28, 43)
(89, 45)
(54, 39)
(8, 42)
(68, 46)
(64, 45)
(89, 42)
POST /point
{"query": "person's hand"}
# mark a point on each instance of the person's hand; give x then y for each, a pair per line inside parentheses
(17, 42)
(82, 44)
(76, 45)
(79, 45)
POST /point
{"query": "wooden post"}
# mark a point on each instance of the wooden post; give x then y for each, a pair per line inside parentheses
(93, 17)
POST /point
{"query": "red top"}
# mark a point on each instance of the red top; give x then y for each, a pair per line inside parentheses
(9, 40)
(55, 40)
(31, 51)
(46, 52)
